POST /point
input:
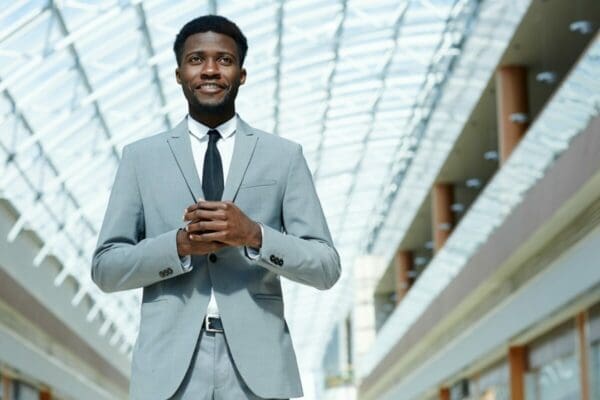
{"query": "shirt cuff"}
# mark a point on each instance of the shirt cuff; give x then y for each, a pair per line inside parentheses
(186, 263)
(252, 253)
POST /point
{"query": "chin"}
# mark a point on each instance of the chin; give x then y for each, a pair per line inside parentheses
(213, 108)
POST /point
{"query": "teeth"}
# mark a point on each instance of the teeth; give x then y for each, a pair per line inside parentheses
(209, 86)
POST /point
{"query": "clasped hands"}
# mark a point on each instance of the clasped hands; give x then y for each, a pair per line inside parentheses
(213, 225)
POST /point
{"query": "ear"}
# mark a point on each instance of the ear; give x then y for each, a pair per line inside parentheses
(243, 76)
(177, 76)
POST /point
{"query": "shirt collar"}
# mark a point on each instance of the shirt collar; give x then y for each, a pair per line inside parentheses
(198, 129)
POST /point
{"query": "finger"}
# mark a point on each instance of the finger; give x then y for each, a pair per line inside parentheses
(213, 205)
(201, 226)
(208, 237)
(191, 207)
(204, 215)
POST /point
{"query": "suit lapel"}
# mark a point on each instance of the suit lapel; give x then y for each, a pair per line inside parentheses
(243, 148)
(181, 148)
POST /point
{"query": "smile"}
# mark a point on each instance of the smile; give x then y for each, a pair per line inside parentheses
(209, 88)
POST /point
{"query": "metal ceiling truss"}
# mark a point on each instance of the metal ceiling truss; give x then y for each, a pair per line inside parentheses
(456, 29)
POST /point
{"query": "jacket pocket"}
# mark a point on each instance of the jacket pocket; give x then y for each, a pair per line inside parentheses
(267, 296)
(267, 182)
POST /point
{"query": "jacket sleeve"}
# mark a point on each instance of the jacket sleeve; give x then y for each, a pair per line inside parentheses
(304, 252)
(124, 258)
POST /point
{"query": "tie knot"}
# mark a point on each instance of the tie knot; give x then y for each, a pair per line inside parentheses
(213, 135)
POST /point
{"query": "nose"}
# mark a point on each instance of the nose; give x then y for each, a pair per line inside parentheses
(210, 68)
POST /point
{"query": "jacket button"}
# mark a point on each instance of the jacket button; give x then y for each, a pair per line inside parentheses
(273, 259)
(212, 257)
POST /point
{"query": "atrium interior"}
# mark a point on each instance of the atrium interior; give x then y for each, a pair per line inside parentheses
(454, 146)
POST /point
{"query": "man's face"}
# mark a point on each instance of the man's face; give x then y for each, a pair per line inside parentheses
(210, 72)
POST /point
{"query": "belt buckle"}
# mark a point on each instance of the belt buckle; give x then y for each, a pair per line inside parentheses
(208, 325)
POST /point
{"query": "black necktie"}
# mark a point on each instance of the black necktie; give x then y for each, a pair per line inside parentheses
(212, 174)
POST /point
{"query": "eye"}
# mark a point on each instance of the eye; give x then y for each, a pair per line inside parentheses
(226, 60)
(195, 59)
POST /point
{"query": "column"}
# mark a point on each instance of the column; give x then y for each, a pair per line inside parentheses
(403, 263)
(6, 387)
(45, 394)
(512, 107)
(444, 394)
(582, 345)
(517, 364)
(442, 198)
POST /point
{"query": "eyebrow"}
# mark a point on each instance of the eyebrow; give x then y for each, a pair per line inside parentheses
(220, 53)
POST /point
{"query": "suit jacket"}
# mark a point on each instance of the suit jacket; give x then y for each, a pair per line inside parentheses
(269, 180)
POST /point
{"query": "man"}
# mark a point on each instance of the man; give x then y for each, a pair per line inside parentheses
(212, 323)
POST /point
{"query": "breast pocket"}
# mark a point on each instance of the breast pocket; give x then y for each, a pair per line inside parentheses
(260, 200)
(266, 182)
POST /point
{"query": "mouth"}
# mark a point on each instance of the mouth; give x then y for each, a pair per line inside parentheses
(210, 88)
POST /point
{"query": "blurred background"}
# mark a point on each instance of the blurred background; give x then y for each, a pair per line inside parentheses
(455, 146)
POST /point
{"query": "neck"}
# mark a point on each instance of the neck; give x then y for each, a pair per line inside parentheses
(211, 120)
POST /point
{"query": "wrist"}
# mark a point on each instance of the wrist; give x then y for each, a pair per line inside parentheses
(256, 237)
(183, 249)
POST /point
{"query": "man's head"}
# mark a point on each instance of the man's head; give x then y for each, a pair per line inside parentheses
(211, 23)
(210, 52)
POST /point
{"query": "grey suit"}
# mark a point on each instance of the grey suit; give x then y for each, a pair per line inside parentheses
(269, 181)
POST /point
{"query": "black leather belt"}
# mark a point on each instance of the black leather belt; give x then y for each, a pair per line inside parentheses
(213, 324)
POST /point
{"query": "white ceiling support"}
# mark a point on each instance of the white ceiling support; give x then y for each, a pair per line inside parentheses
(151, 53)
(68, 42)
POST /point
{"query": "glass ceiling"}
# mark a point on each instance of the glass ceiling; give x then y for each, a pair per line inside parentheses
(353, 81)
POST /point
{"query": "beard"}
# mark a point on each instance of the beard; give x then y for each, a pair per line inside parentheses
(213, 108)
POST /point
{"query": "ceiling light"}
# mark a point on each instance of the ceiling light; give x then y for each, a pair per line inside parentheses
(519, 118)
(445, 226)
(419, 261)
(548, 77)
(490, 155)
(581, 26)
(473, 183)
(457, 207)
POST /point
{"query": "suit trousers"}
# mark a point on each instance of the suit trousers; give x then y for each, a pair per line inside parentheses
(212, 374)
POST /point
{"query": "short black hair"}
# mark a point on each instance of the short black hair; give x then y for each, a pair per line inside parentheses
(211, 23)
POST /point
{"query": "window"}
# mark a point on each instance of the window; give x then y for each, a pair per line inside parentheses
(23, 391)
(557, 380)
(554, 367)
(492, 383)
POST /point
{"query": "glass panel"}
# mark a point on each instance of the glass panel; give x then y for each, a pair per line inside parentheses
(595, 370)
(493, 383)
(495, 392)
(556, 380)
(22, 391)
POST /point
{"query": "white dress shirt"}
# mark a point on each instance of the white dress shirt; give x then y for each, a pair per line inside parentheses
(199, 140)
